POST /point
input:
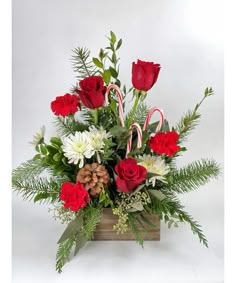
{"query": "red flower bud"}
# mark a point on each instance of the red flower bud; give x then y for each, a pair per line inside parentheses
(92, 92)
(144, 74)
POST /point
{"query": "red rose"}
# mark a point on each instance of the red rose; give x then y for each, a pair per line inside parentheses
(65, 105)
(144, 74)
(164, 143)
(74, 196)
(92, 92)
(130, 175)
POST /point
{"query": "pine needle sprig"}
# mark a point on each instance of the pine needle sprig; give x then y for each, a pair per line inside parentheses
(173, 207)
(138, 116)
(63, 253)
(82, 63)
(132, 221)
(92, 216)
(194, 175)
(68, 125)
(30, 168)
(31, 187)
(191, 119)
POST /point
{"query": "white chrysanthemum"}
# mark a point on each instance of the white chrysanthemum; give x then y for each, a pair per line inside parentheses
(38, 137)
(77, 147)
(156, 165)
(97, 137)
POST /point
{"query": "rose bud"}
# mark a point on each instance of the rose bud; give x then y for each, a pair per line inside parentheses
(144, 75)
(92, 91)
(129, 175)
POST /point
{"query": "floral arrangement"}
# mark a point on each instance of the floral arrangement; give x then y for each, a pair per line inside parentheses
(106, 157)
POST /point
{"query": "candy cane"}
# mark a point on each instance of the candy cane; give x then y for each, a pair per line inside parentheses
(139, 142)
(120, 101)
(148, 118)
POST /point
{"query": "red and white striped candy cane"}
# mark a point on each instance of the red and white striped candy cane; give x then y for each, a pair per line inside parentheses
(120, 101)
(148, 118)
(129, 142)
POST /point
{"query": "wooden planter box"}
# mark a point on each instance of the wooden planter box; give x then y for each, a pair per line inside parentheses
(105, 232)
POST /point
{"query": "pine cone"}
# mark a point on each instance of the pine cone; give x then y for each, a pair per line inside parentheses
(95, 177)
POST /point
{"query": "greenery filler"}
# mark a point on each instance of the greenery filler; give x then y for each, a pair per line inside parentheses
(106, 157)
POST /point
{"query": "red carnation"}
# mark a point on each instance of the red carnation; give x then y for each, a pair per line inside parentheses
(92, 92)
(74, 196)
(164, 143)
(144, 74)
(130, 175)
(65, 105)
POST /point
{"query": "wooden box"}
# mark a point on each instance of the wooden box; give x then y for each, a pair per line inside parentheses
(105, 232)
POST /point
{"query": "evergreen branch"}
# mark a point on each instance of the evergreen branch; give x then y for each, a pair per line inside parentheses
(63, 253)
(28, 169)
(132, 221)
(138, 116)
(68, 125)
(194, 175)
(171, 208)
(191, 119)
(82, 64)
(91, 218)
(32, 187)
(187, 124)
(195, 226)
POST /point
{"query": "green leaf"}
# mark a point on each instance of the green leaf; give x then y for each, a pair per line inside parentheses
(57, 157)
(80, 242)
(113, 37)
(52, 149)
(106, 76)
(40, 196)
(119, 44)
(165, 127)
(137, 206)
(118, 131)
(56, 141)
(97, 62)
(73, 227)
(37, 156)
(113, 72)
(43, 149)
(157, 194)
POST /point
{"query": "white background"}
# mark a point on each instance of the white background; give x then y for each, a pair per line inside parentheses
(185, 37)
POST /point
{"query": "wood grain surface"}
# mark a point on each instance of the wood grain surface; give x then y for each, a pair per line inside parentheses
(105, 232)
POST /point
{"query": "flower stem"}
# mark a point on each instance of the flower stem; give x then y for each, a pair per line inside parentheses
(133, 110)
(95, 116)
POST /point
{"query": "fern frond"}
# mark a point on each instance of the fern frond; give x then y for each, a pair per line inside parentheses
(194, 175)
(82, 64)
(68, 125)
(63, 253)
